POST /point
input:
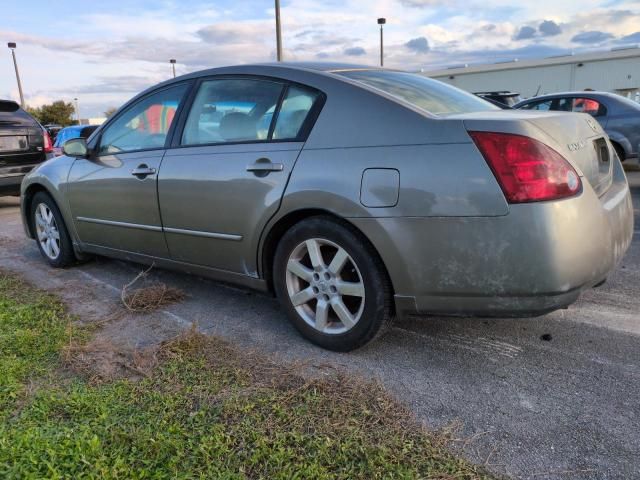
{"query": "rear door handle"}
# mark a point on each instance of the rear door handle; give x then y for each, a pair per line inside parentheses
(264, 166)
(142, 171)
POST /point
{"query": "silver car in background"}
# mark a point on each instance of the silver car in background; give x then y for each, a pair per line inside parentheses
(353, 193)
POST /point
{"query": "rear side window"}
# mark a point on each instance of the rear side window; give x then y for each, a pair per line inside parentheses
(425, 93)
(232, 110)
(293, 112)
(145, 124)
(588, 105)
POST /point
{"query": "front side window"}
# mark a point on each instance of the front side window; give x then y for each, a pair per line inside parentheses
(425, 93)
(293, 112)
(145, 125)
(231, 110)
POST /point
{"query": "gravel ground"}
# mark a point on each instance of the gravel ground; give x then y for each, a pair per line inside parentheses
(551, 397)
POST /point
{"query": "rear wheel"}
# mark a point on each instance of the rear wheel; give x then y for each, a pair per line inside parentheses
(50, 231)
(332, 284)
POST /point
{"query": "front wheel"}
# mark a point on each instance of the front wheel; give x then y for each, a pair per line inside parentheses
(50, 231)
(332, 284)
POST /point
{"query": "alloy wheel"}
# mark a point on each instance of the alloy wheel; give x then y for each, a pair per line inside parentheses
(47, 231)
(325, 286)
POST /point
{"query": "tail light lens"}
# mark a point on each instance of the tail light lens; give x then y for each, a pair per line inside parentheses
(526, 169)
(48, 144)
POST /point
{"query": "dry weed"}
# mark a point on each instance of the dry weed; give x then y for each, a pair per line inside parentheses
(149, 298)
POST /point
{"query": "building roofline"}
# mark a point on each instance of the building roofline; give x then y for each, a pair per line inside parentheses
(515, 64)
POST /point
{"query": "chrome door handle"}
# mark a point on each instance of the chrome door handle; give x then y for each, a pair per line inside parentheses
(142, 171)
(265, 167)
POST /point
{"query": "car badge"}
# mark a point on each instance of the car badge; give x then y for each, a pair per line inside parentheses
(573, 147)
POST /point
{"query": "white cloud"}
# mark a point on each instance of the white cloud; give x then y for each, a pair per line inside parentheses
(104, 58)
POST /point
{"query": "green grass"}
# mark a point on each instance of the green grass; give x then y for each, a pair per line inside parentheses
(207, 410)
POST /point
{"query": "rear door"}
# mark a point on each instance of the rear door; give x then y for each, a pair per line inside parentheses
(114, 194)
(228, 168)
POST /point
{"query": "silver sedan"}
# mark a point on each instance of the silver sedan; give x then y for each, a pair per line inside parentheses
(352, 193)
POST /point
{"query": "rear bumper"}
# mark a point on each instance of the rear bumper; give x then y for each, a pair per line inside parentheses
(536, 259)
(10, 184)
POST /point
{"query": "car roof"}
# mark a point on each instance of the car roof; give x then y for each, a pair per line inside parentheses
(578, 93)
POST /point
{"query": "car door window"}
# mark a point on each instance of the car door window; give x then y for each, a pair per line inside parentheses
(543, 106)
(231, 111)
(293, 112)
(587, 105)
(144, 125)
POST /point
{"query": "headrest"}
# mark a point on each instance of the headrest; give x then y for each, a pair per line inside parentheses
(238, 126)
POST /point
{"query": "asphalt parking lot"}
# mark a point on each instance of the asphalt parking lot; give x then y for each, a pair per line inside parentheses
(548, 397)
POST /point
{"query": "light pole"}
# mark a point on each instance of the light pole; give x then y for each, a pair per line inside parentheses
(278, 33)
(381, 22)
(173, 66)
(12, 46)
(77, 110)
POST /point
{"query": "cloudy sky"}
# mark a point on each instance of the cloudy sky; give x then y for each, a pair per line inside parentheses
(103, 52)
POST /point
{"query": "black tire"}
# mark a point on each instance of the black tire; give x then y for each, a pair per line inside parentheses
(376, 307)
(65, 256)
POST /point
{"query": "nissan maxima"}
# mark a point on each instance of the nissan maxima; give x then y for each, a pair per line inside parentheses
(352, 193)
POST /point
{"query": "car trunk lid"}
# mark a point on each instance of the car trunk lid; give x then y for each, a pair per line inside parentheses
(577, 137)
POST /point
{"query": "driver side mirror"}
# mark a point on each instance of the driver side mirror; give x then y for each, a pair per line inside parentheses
(76, 147)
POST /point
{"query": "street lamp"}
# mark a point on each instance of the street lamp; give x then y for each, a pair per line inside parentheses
(173, 66)
(278, 33)
(77, 110)
(381, 22)
(12, 46)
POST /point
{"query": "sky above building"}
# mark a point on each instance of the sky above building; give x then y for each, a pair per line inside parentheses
(104, 52)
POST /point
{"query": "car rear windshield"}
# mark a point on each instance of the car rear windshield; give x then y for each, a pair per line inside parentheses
(12, 114)
(435, 97)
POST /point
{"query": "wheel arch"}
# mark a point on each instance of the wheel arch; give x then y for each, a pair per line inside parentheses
(620, 142)
(27, 199)
(280, 227)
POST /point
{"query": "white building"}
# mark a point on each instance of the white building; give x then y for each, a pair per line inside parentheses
(616, 71)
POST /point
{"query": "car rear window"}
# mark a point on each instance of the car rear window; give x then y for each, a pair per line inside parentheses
(425, 93)
(11, 113)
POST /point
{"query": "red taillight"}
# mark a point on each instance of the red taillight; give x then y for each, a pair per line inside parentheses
(48, 145)
(526, 169)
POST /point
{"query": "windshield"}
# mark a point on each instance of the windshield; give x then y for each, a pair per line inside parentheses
(430, 95)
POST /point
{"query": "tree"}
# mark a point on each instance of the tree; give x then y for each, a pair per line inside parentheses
(58, 112)
(110, 111)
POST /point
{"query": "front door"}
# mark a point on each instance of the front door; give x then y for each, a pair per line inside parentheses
(114, 194)
(227, 173)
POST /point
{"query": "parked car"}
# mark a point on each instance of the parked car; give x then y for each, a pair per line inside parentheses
(67, 133)
(23, 145)
(371, 193)
(53, 129)
(618, 116)
(503, 99)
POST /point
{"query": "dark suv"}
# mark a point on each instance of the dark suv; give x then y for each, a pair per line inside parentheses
(23, 145)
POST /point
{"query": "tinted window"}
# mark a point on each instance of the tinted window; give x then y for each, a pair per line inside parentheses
(12, 114)
(293, 112)
(145, 124)
(538, 105)
(231, 110)
(435, 97)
